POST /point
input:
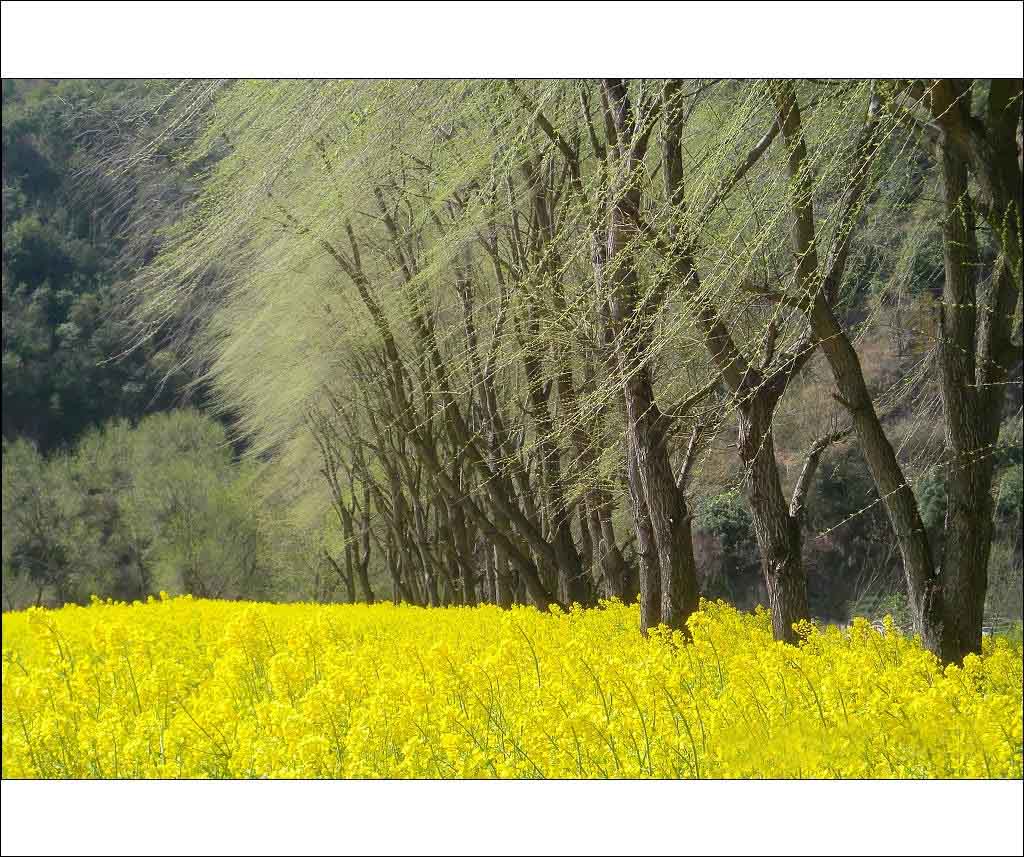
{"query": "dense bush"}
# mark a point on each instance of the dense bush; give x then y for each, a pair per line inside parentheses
(132, 511)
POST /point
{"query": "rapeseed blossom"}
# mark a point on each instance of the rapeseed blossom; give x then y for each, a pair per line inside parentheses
(179, 687)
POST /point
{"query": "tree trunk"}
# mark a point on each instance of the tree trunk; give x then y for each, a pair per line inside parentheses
(756, 393)
(571, 575)
(665, 504)
(973, 387)
(462, 543)
(778, 534)
(647, 551)
(923, 585)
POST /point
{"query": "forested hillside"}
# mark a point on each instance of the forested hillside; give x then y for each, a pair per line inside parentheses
(71, 238)
(534, 342)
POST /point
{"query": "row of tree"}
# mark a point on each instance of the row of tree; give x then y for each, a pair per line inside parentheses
(506, 326)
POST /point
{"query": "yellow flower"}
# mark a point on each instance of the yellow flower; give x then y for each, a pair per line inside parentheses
(183, 687)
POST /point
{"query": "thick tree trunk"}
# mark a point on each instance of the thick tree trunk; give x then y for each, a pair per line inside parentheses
(613, 561)
(364, 582)
(968, 526)
(778, 533)
(571, 574)
(426, 559)
(610, 567)
(620, 579)
(646, 550)
(504, 584)
(989, 146)
(756, 394)
(923, 585)
(504, 576)
(348, 574)
(356, 552)
(465, 562)
(973, 384)
(665, 504)
(609, 572)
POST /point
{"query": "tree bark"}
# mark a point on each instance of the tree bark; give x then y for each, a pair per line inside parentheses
(665, 504)
(646, 549)
(778, 533)
(973, 379)
(923, 585)
(756, 394)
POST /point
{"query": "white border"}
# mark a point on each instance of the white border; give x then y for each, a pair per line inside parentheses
(51, 39)
(563, 818)
(540, 39)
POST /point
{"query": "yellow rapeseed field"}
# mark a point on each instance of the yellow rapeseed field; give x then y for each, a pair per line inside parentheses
(186, 688)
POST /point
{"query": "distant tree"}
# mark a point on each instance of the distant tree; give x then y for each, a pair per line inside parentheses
(131, 511)
(68, 361)
(40, 527)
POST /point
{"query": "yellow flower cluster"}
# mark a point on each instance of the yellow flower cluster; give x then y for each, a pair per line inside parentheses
(186, 688)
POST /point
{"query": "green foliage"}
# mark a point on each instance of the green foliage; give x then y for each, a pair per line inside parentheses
(132, 511)
(1010, 464)
(931, 499)
(66, 358)
(1010, 499)
(727, 517)
(288, 290)
(1014, 632)
(1005, 594)
(38, 544)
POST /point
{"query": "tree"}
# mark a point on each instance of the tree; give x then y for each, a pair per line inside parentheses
(490, 310)
(70, 234)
